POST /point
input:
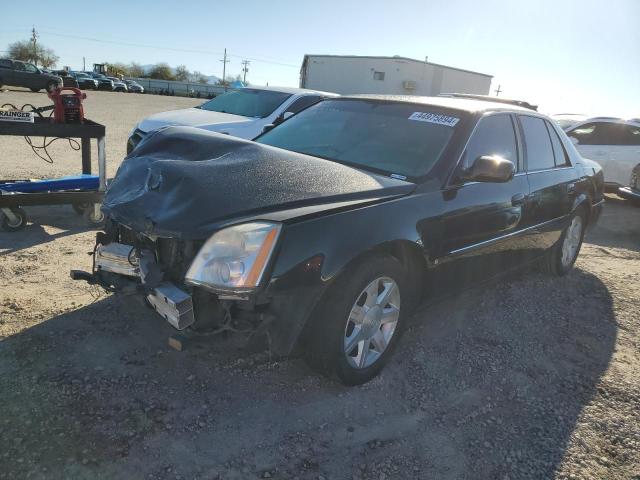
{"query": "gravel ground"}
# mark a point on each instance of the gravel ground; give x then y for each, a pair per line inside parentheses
(524, 377)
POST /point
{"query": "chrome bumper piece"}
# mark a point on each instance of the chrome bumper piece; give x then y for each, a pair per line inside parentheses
(629, 193)
(172, 303)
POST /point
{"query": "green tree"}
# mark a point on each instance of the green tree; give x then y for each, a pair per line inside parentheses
(136, 70)
(182, 74)
(37, 54)
(198, 77)
(118, 68)
(161, 71)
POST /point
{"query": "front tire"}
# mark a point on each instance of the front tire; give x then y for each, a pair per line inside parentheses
(563, 254)
(359, 321)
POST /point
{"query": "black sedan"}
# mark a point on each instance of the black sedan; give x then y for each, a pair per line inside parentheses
(85, 81)
(104, 83)
(325, 232)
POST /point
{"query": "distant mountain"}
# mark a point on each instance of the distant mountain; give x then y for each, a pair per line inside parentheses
(212, 79)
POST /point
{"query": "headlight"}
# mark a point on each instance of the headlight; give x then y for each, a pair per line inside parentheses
(235, 257)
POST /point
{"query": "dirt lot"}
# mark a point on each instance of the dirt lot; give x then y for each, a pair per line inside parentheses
(529, 377)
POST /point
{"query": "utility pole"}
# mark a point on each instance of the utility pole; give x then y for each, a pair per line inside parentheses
(84, 67)
(498, 90)
(245, 69)
(34, 41)
(224, 66)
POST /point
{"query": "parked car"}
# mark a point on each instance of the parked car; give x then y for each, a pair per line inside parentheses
(103, 82)
(324, 231)
(566, 120)
(242, 113)
(613, 143)
(15, 73)
(632, 192)
(118, 85)
(85, 81)
(133, 86)
(68, 80)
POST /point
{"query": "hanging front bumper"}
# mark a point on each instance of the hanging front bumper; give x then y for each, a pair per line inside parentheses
(137, 271)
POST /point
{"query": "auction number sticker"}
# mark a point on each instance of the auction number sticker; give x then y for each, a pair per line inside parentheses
(434, 118)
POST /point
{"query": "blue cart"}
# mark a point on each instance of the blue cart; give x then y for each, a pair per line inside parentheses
(84, 192)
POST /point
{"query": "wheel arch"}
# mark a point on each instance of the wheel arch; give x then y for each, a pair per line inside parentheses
(408, 254)
(582, 201)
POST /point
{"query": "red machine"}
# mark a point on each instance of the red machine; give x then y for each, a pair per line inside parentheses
(67, 106)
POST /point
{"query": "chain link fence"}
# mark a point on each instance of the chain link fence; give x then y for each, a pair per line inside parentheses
(182, 89)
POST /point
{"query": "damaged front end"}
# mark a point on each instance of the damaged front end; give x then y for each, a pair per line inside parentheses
(187, 282)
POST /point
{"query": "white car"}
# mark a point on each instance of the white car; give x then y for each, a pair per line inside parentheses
(613, 143)
(242, 113)
(566, 120)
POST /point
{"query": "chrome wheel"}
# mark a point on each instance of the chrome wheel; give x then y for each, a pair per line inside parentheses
(571, 242)
(372, 322)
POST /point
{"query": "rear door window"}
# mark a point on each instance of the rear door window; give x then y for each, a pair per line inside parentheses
(596, 133)
(559, 152)
(5, 63)
(539, 152)
(494, 136)
(630, 136)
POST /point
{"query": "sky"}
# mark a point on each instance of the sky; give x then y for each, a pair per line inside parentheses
(569, 56)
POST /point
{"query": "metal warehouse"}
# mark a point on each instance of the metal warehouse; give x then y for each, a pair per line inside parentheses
(348, 74)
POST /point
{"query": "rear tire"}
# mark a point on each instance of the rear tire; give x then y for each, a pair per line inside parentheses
(353, 333)
(562, 256)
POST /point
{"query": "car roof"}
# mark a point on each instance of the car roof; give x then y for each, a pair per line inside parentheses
(614, 120)
(292, 90)
(464, 104)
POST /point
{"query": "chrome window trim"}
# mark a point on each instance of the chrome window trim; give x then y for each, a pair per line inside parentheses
(555, 169)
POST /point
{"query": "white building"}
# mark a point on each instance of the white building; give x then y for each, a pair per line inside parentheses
(349, 74)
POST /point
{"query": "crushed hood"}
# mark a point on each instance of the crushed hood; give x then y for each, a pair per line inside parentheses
(184, 182)
(192, 117)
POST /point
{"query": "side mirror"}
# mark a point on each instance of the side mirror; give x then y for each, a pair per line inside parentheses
(490, 169)
(267, 127)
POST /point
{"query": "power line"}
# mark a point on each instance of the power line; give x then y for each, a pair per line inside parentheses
(159, 47)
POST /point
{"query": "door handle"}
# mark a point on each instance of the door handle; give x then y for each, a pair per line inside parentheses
(518, 199)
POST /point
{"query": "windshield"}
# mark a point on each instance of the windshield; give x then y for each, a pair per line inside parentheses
(395, 138)
(247, 102)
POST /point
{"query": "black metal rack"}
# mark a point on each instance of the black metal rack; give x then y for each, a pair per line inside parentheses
(45, 127)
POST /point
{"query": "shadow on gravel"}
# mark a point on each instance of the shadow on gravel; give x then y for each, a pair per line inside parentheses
(60, 217)
(618, 227)
(485, 385)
